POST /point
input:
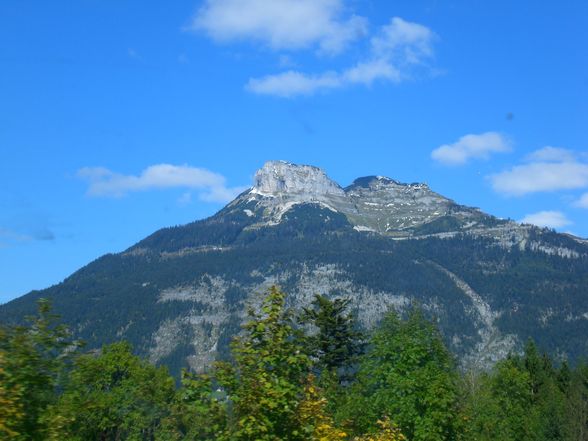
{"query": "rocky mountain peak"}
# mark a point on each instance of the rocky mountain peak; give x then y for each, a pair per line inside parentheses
(382, 182)
(283, 178)
(371, 203)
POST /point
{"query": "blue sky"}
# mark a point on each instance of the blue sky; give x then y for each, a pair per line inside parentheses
(121, 117)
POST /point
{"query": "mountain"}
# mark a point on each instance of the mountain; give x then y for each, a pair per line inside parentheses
(181, 294)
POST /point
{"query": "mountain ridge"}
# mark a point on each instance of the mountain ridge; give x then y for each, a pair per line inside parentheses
(180, 294)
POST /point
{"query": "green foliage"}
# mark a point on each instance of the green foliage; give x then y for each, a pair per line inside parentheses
(197, 413)
(407, 374)
(112, 395)
(11, 409)
(265, 383)
(405, 387)
(32, 365)
(313, 418)
(576, 407)
(388, 432)
(498, 408)
(337, 342)
(526, 398)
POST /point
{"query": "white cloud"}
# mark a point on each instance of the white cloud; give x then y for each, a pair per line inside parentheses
(104, 182)
(551, 154)
(471, 147)
(368, 72)
(291, 83)
(550, 219)
(398, 46)
(412, 40)
(582, 202)
(221, 194)
(550, 169)
(281, 24)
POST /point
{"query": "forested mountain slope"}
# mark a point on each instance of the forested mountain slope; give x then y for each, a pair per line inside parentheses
(180, 294)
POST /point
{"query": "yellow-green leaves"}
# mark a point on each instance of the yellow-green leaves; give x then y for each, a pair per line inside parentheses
(33, 360)
(266, 383)
(11, 406)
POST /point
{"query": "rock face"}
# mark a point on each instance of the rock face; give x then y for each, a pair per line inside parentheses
(387, 205)
(372, 203)
(182, 293)
(280, 178)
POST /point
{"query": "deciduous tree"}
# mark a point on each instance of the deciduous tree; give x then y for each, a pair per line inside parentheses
(408, 375)
(35, 357)
(113, 395)
(266, 382)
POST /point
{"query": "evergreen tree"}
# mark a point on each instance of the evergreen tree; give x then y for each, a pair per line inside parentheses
(522, 398)
(337, 342)
(501, 407)
(548, 400)
(576, 427)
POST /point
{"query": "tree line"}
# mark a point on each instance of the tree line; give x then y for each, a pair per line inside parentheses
(306, 375)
